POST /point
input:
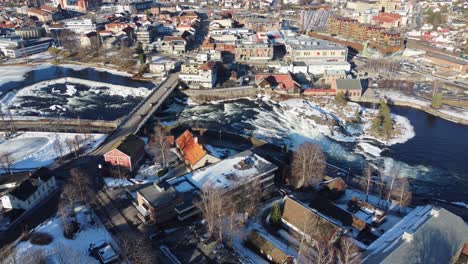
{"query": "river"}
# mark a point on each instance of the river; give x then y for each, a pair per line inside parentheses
(434, 159)
(33, 93)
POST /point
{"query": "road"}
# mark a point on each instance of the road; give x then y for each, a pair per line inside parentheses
(133, 122)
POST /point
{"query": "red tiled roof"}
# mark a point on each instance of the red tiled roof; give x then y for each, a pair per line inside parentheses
(284, 81)
(386, 17)
(319, 90)
(48, 8)
(207, 66)
(172, 38)
(191, 150)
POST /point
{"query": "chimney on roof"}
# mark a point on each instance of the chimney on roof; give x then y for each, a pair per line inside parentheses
(408, 237)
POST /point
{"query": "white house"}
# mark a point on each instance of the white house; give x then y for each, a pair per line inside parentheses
(31, 191)
(202, 76)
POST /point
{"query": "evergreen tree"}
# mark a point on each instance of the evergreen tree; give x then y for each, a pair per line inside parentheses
(340, 98)
(275, 215)
(382, 124)
(436, 100)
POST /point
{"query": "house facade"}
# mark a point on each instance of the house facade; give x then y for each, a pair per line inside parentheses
(127, 154)
(198, 76)
(30, 192)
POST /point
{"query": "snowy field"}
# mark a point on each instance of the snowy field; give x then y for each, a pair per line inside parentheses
(61, 248)
(17, 73)
(146, 174)
(36, 149)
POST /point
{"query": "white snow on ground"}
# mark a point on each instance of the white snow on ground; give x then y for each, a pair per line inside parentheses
(401, 97)
(115, 182)
(81, 67)
(331, 111)
(461, 204)
(147, 173)
(463, 114)
(368, 148)
(16, 73)
(36, 149)
(76, 249)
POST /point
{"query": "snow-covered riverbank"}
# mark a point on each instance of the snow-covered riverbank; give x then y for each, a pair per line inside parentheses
(451, 113)
(30, 150)
(339, 122)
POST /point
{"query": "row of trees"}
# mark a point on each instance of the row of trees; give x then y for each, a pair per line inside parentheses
(388, 67)
(226, 212)
(393, 187)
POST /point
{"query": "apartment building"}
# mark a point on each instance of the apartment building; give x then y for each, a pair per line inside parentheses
(16, 47)
(253, 52)
(374, 34)
(80, 25)
(199, 76)
(308, 49)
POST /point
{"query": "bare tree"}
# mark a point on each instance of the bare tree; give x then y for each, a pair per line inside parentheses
(8, 255)
(58, 146)
(393, 176)
(83, 184)
(211, 206)
(161, 145)
(348, 252)
(368, 171)
(405, 194)
(6, 162)
(137, 250)
(69, 142)
(69, 40)
(381, 184)
(319, 253)
(308, 165)
(77, 141)
(69, 196)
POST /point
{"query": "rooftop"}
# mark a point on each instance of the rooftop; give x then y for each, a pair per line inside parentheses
(348, 84)
(131, 145)
(299, 41)
(231, 172)
(426, 235)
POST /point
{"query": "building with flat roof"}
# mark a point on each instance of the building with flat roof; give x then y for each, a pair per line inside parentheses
(305, 48)
(448, 63)
(15, 47)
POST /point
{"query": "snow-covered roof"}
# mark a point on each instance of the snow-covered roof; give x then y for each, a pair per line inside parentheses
(233, 171)
(425, 235)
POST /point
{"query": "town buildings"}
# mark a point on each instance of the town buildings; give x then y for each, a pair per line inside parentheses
(127, 154)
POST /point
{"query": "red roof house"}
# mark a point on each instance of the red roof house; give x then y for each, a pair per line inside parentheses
(280, 83)
(127, 154)
(192, 152)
